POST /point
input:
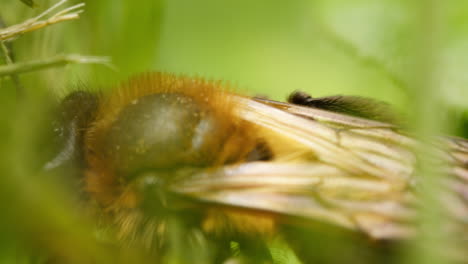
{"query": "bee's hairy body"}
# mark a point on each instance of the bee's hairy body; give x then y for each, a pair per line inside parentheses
(170, 126)
(162, 146)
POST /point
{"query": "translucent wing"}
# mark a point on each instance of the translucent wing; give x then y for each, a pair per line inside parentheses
(348, 171)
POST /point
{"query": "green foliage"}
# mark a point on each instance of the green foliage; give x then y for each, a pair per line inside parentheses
(29, 3)
(411, 54)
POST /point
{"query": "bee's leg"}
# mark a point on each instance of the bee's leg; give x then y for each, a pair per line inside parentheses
(300, 98)
(350, 105)
(327, 244)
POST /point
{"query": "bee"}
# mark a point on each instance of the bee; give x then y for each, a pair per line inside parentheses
(231, 169)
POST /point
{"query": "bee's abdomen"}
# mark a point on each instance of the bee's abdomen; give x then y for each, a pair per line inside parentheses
(159, 131)
(165, 125)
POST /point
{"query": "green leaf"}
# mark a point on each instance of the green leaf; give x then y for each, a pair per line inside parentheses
(29, 3)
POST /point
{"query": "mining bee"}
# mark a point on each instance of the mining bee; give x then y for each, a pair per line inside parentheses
(235, 169)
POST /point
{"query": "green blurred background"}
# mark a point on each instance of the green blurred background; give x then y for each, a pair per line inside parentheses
(359, 47)
(268, 47)
(263, 47)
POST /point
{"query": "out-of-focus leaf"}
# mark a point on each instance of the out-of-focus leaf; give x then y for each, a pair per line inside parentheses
(29, 3)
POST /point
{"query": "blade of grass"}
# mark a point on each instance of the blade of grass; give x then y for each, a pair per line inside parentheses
(61, 60)
(431, 244)
(35, 23)
(9, 60)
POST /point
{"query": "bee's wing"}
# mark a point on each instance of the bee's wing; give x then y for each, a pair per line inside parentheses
(327, 116)
(354, 133)
(348, 171)
(361, 147)
(312, 192)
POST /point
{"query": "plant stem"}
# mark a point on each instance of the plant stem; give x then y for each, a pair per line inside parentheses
(61, 60)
